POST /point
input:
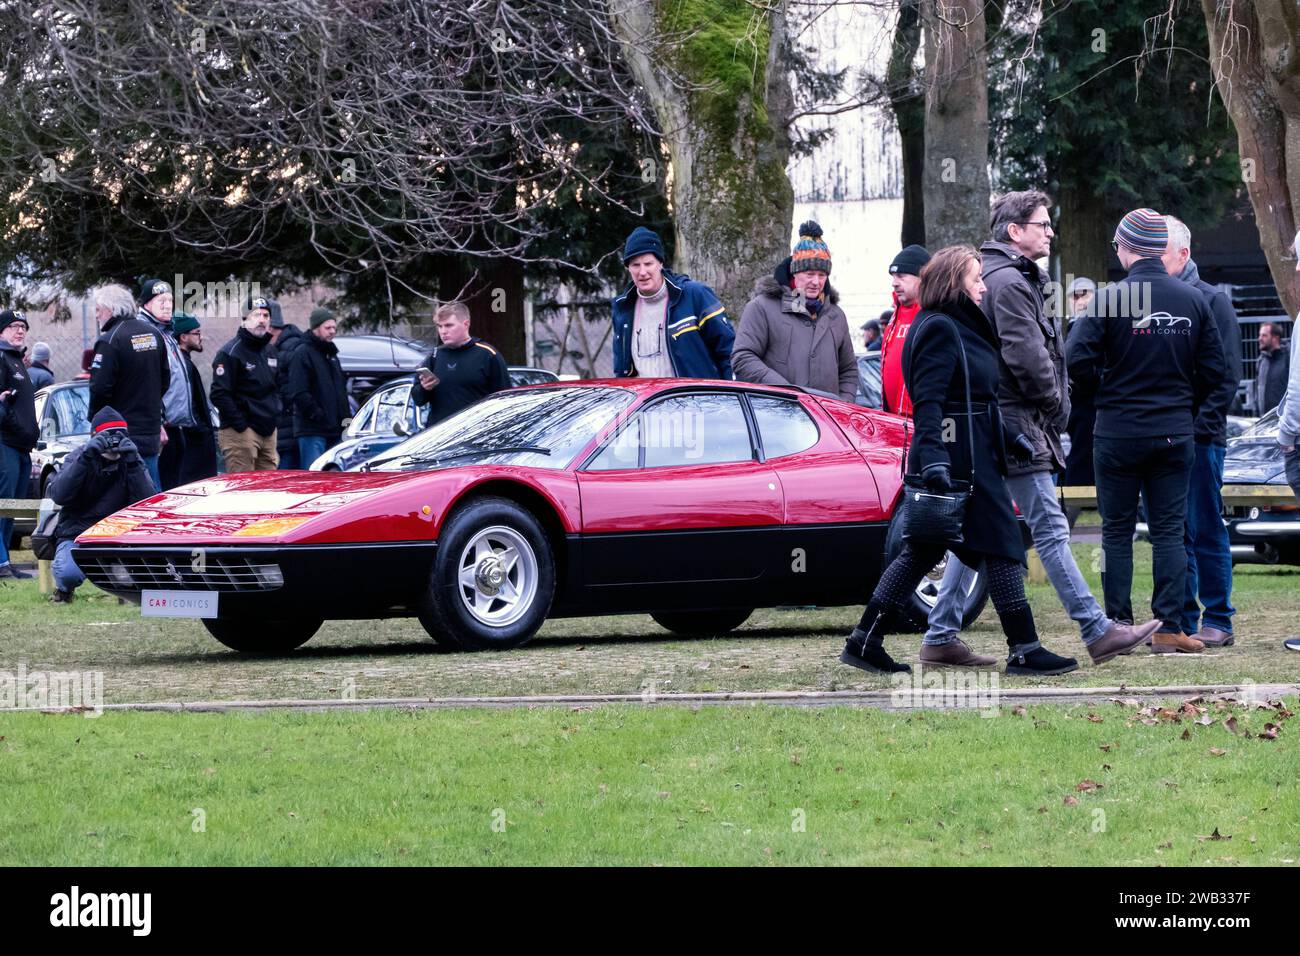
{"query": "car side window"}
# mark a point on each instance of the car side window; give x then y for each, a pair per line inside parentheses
(622, 450)
(361, 422)
(785, 427)
(70, 412)
(390, 410)
(697, 429)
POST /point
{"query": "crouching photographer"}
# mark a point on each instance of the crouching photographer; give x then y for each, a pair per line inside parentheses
(102, 476)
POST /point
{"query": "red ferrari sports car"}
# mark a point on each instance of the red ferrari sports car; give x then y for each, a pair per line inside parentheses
(693, 501)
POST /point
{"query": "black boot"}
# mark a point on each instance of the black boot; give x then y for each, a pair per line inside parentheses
(1028, 656)
(866, 649)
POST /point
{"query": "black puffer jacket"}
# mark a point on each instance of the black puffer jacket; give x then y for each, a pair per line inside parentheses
(243, 383)
(290, 341)
(320, 395)
(90, 487)
(18, 428)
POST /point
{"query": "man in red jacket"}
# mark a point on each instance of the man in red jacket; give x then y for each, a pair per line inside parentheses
(905, 277)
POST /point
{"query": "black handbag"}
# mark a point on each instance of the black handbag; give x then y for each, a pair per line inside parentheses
(936, 517)
(44, 543)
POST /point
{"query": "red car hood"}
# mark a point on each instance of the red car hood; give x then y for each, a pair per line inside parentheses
(253, 508)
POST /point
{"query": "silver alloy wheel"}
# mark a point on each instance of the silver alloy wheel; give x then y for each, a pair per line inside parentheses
(928, 589)
(497, 576)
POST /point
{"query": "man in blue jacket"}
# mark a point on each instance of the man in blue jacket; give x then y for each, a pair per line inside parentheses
(666, 325)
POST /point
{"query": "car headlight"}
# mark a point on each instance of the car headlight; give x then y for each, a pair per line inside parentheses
(111, 527)
(271, 526)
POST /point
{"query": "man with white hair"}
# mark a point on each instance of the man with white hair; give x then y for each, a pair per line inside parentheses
(130, 371)
(1209, 554)
(39, 366)
(1288, 417)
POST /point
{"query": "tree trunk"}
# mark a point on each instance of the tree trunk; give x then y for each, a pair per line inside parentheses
(956, 175)
(908, 103)
(1084, 236)
(1257, 72)
(724, 122)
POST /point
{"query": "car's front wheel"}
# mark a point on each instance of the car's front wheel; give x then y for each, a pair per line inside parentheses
(492, 580)
(263, 637)
(701, 623)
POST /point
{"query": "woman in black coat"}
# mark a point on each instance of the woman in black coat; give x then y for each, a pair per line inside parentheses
(951, 290)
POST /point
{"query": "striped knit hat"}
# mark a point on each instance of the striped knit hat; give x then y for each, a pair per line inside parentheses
(1145, 232)
(810, 254)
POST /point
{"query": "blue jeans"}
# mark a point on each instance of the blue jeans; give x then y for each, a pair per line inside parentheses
(15, 475)
(151, 465)
(311, 447)
(288, 457)
(1035, 496)
(66, 573)
(1209, 554)
(1158, 470)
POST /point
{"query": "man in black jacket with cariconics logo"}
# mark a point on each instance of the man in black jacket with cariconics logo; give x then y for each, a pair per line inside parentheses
(1151, 355)
(245, 393)
(130, 371)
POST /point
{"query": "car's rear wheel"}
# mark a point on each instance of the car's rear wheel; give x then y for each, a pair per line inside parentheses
(701, 623)
(492, 580)
(921, 602)
(262, 637)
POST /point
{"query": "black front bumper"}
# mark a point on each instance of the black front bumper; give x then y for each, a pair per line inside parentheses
(272, 581)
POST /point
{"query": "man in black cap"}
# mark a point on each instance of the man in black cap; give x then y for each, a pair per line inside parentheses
(245, 392)
(459, 372)
(197, 443)
(871, 333)
(905, 279)
(130, 371)
(320, 394)
(18, 429)
(104, 475)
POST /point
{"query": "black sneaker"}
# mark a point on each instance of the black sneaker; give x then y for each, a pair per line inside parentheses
(61, 597)
(1039, 662)
(12, 571)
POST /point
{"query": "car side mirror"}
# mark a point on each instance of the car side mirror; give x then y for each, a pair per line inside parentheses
(399, 428)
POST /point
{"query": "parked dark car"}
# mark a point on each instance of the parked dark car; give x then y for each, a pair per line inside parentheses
(371, 360)
(869, 390)
(1267, 534)
(61, 415)
(389, 417)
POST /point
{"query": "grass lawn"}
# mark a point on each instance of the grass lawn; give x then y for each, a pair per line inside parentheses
(163, 659)
(667, 785)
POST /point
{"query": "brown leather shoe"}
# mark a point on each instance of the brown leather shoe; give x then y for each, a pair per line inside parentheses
(955, 653)
(1162, 642)
(1120, 639)
(1213, 637)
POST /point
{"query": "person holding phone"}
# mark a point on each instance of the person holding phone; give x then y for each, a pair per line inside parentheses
(461, 371)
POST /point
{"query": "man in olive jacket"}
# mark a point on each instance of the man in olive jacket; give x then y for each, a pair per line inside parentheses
(793, 331)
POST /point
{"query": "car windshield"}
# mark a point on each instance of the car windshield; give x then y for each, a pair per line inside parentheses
(539, 428)
(1264, 427)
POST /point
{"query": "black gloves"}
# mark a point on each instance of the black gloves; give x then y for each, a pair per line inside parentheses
(938, 478)
(127, 447)
(108, 441)
(1023, 449)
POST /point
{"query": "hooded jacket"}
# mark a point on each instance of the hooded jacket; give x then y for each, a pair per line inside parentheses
(290, 341)
(320, 395)
(1034, 392)
(130, 372)
(18, 428)
(244, 385)
(1211, 425)
(697, 330)
(90, 487)
(892, 387)
(781, 342)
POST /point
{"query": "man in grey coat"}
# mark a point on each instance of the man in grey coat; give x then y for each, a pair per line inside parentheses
(793, 331)
(1033, 394)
